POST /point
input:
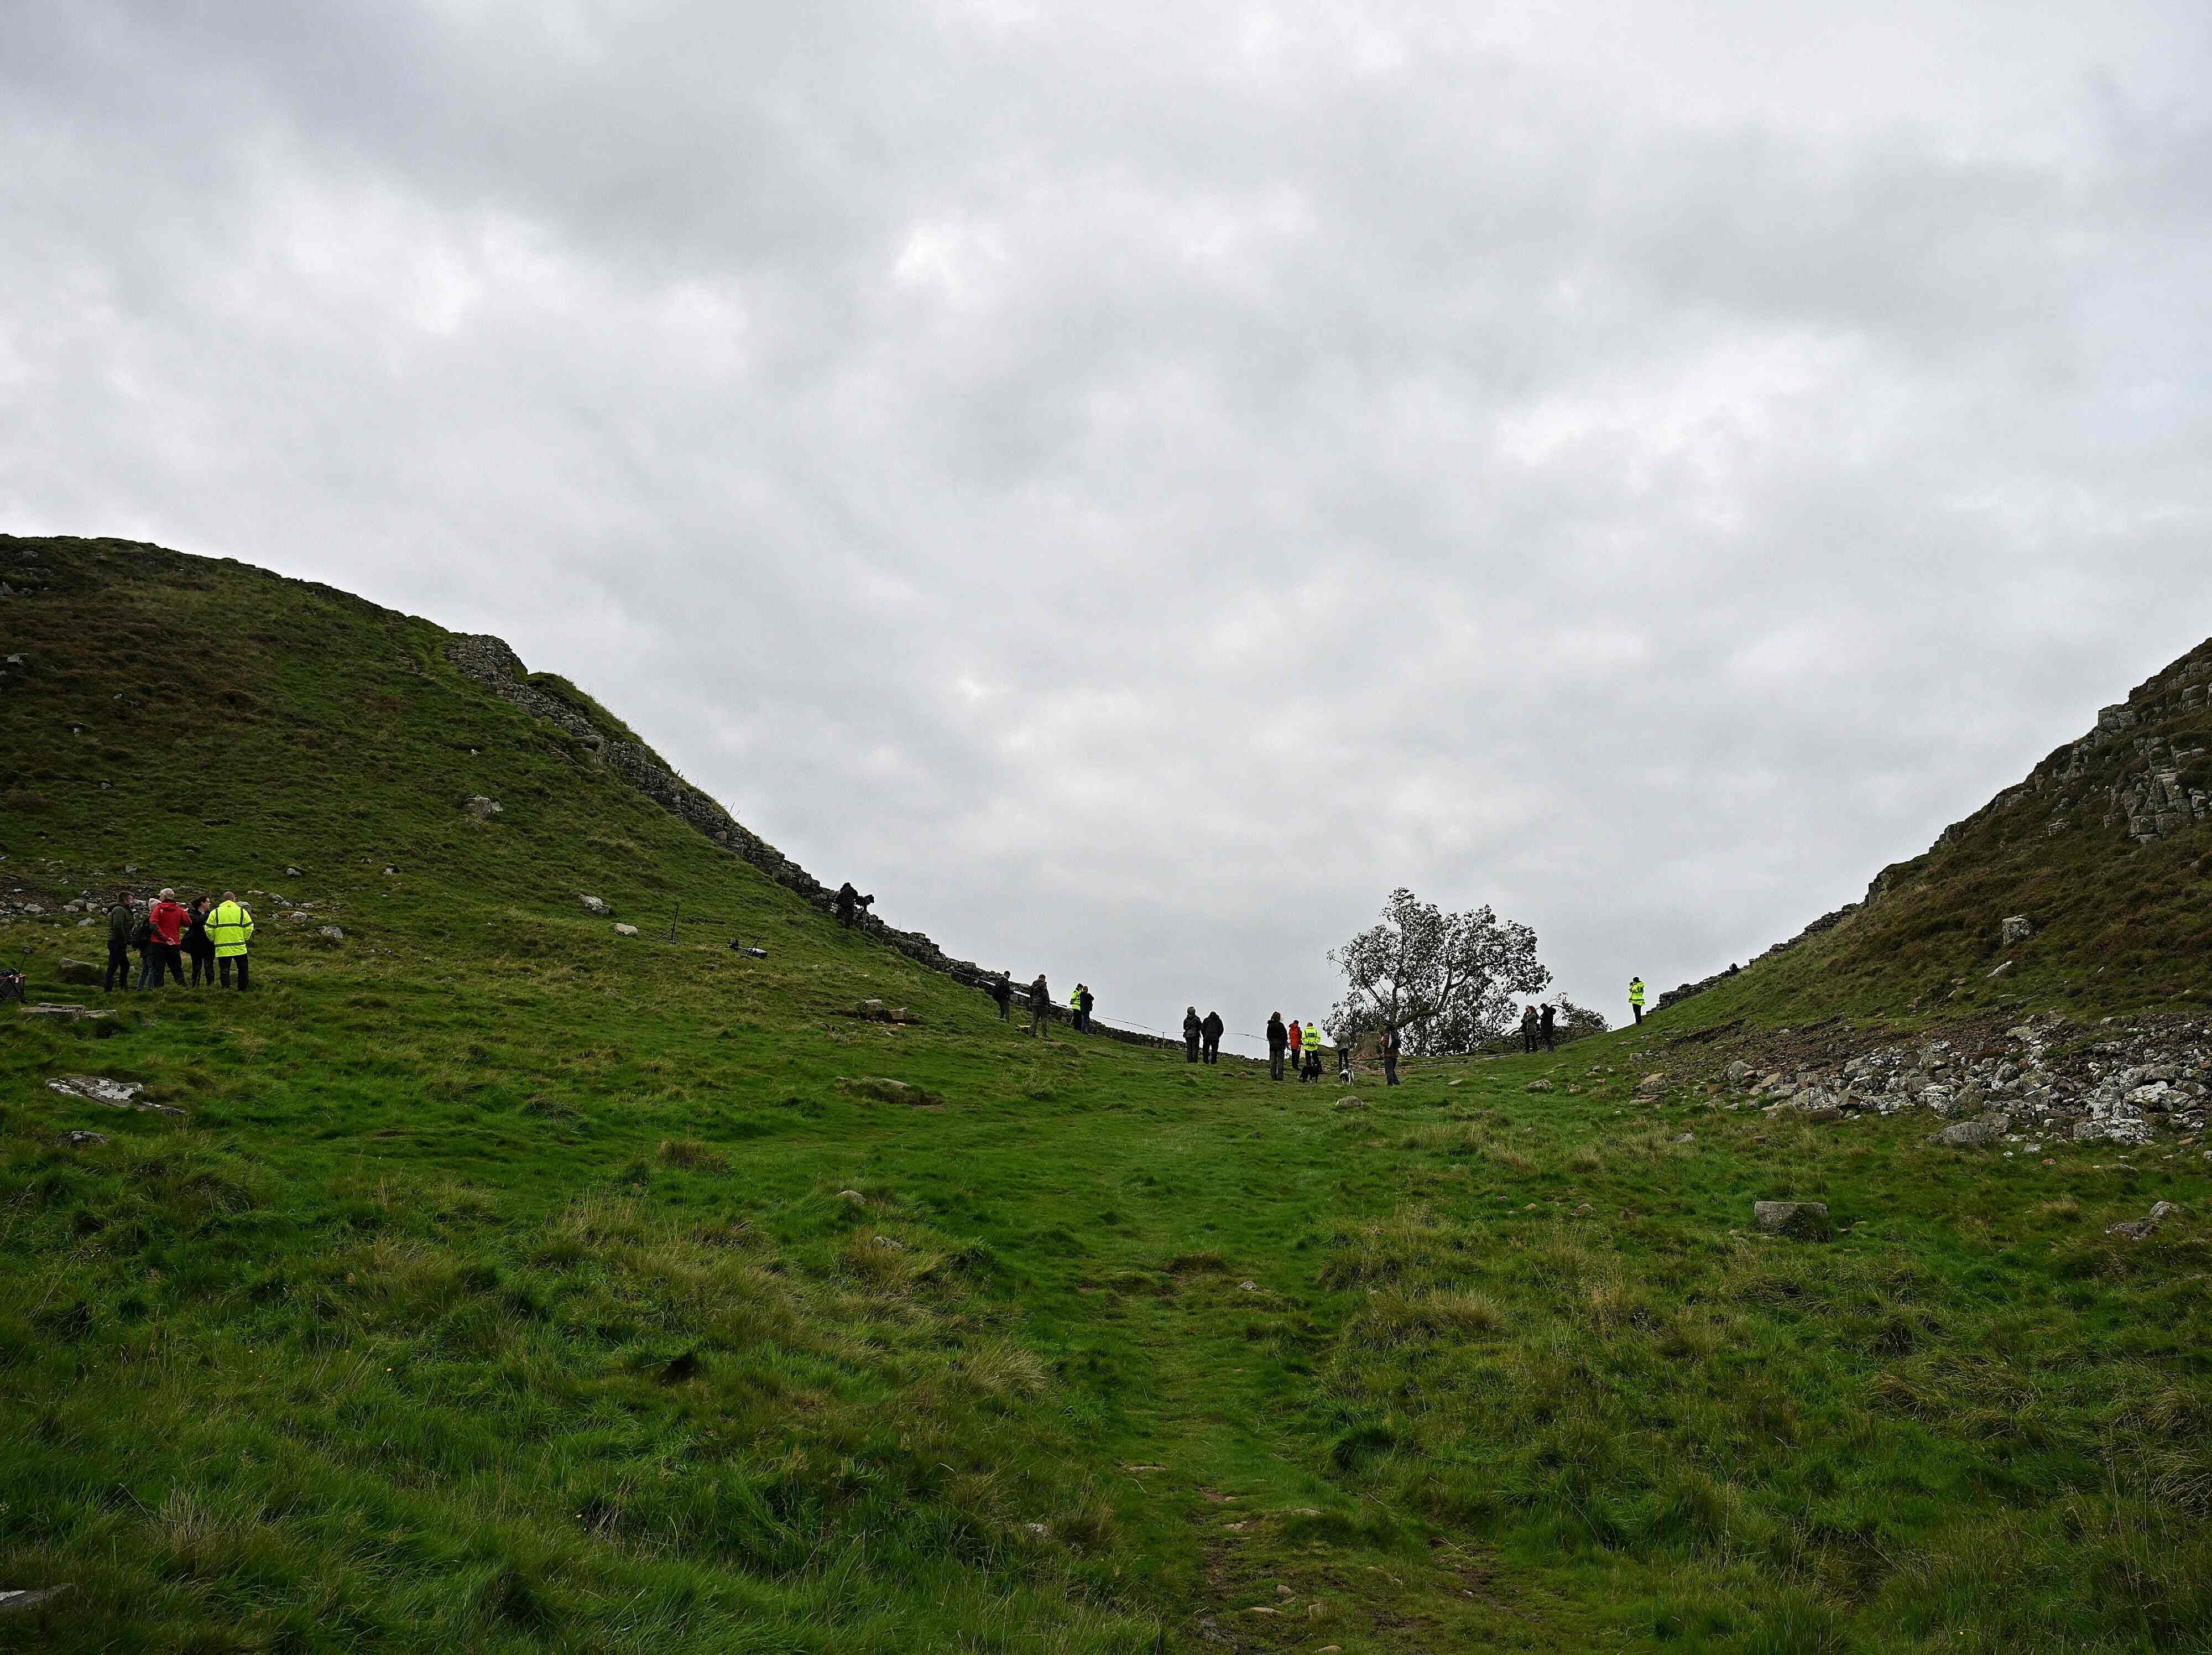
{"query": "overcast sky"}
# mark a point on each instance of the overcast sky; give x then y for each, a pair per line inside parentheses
(1131, 484)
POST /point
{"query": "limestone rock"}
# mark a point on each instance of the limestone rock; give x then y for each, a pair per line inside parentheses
(482, 808)
(593, 905)
(335, 934)
(622, 930)
(1539, 1086)
(82, 972)
(115, 1094)
(1971, 1134)
(1800, 1221)
(81, 1140)
(2017, 927)
(2140, 1229)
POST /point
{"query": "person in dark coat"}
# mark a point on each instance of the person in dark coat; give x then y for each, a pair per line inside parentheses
(1209, 1037)
(121, 919)
(1279, 1038)
(1085, 1000)
(1040, 1006)
(1390, 1057)
(1529, 1030)
(850, 903)
(199, 947)
(1002, 996)
(1193, 1031)
(1547, 1029)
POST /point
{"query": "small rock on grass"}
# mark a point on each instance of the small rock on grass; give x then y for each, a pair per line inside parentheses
(2140, 1229)
(1800, 1221)
(18, 1598)
(622, 930)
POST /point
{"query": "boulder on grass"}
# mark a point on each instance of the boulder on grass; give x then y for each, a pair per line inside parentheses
(80, 972)
(1800, 1221)
(593, 905)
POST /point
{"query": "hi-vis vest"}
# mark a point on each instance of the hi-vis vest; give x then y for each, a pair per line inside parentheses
(230, 928)
(1636, 991)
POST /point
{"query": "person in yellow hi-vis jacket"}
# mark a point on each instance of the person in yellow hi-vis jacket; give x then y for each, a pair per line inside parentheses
(1636, 997)
(230, 928)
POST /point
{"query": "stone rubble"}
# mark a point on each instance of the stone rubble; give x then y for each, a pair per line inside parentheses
(2117, 1086)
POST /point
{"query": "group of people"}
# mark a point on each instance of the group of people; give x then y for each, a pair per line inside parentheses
(213, 933)
(1201, 1035)
(1079, 1008)
(1540, 1025)
(1001, 990)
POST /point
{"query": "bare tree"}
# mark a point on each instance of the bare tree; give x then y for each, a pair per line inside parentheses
(1447, 982)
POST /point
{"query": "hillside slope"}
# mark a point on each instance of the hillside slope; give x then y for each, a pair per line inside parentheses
(486, 1279)
(2105, 851)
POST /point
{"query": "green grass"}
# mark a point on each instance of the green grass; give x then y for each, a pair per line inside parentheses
(511, 1285)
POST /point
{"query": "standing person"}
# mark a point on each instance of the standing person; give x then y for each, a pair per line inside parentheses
(1390, 1054)
(141, 940)
(1040, 1006)
(1298, 1048)
(1279, 1038)
(1313, 1054)
(1084, 1000)
(1548, 1027)
(166, 920)
(1193, 1031)
(1209, 1037)
(121, 918)
(199, 947)
(1344, 1063)
(1529, 1029)
(1636, 996)
(231, 926)
(1002, 991)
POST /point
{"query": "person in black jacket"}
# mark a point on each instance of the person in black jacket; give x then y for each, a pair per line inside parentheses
(1547, 1029)
(1085, 1000)
(1279, 1038)
(1390, 1055)
(120, 920)
(1040, 1006)
(1002, 991)
(1193, 1031)
(199, 947)
(1529, 1029)
(1209, 1037)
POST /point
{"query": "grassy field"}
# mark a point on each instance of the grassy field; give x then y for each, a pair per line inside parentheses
(508, 1284)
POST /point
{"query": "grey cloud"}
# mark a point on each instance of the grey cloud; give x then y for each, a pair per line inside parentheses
(1134, 484)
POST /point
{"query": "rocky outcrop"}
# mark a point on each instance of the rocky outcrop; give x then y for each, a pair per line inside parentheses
(2035, 1082)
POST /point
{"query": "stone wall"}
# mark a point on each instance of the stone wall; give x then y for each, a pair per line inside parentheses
(488, 660)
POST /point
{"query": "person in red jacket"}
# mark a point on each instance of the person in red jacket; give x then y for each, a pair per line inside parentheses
(165, 952)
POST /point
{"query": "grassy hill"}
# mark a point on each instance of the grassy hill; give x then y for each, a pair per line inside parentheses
(506, 1283)
(2106, 849)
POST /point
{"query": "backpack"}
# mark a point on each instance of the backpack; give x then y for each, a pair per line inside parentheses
(141, 932)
